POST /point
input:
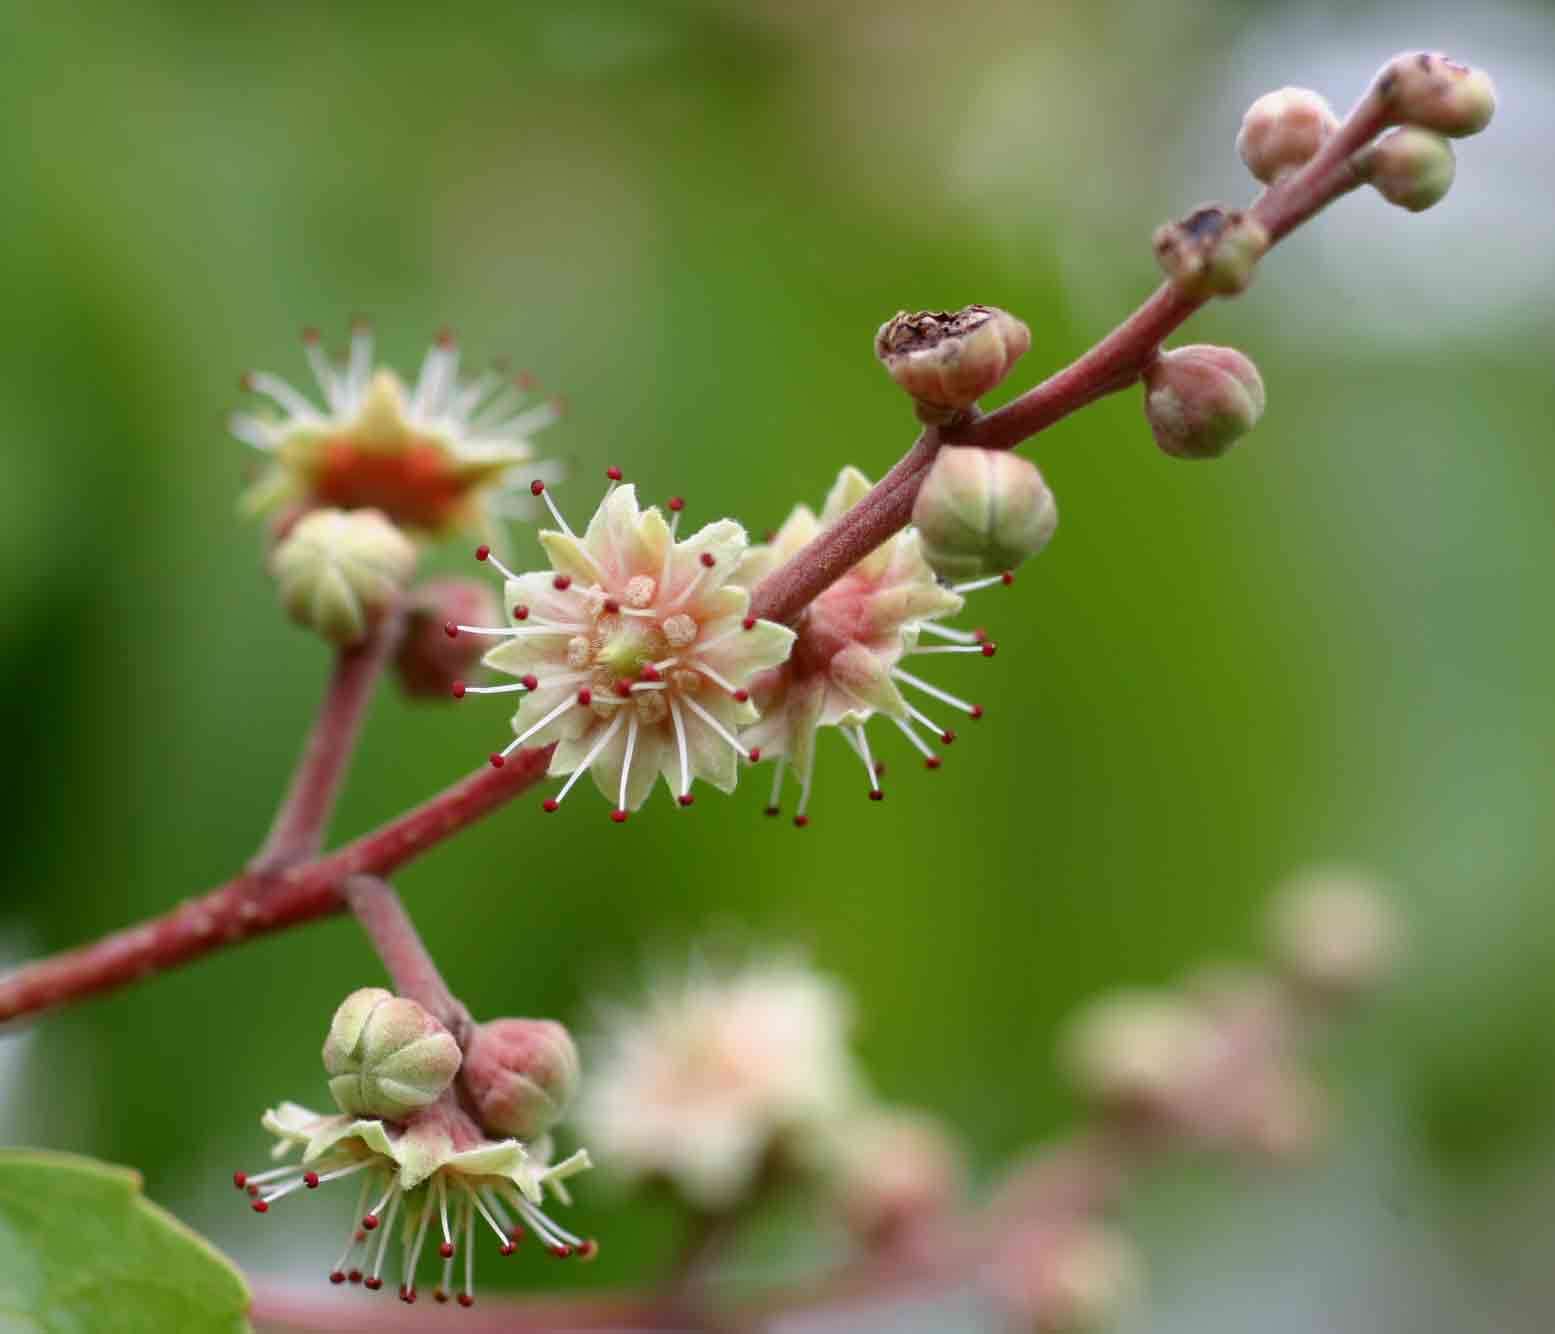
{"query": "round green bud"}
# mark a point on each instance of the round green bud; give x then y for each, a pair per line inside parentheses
(522, 1075)
(981, 511)
(1283, 130)
(1410, 167)
(1211, 252)
(1200, 400)
(339, 570)
(948, 360)
(386, 1056)
(1426, 89)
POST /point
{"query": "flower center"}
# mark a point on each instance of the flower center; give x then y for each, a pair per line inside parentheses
(624, 645)
(415, 485)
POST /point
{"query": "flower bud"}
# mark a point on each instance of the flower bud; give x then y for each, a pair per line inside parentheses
(1410, 167)
(948, 361)
(338, 571)
(1211, 252)
(431, 661)
(899, 1169)
(521, 1074)
(1137, 1052)
(1427, 89)
(1283, 130)
(1200, 400)
(1335, 933)
(981, 511)
(1066, 1278)
(386, 1056)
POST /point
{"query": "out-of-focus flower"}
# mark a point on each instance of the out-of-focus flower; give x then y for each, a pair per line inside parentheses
(1335, 933)
(720, 1077)
(1072, 1277)
(1138, 1053)
(899, 1169)
(339, 572)
(434, 457)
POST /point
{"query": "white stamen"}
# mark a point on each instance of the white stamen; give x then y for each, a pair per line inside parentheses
(665, 664)
(252, 431)
(557, 514)
(689, 589)
(377, 1210)
(680, 744)
(777, 781)
(525, 631)
(413, 1252)
(469, 1251)
(637, 686)
(544, 1227)
(359, 363)
(726, 686)
(647, 613)
(712, 722)
(804, 791)
(973, 585)
(549, 718)
(925, 720)
(282, 1191)
(499, 410)
(480, 1207)
(498, 566)
(386, 1227)
(438, 369)
(947, 632)
(442, 1207)
(946, 648)
(356, 1223)
(346, 1171)
(536, 419)
(861, 749)
(933, 691)
(626, 763)
(919, 743)
(519, 687)
(592, 755)
(273, 387)
(463, 403)
(501, 1214)
(259, 1178)
(323, 372)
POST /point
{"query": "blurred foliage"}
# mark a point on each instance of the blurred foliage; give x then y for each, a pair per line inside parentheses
(690, 218)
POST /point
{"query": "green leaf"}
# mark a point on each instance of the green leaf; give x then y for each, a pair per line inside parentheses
(82, 1251)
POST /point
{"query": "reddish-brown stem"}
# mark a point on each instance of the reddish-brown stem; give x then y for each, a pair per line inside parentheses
(377, 907)
(298, 831)
(233, 913)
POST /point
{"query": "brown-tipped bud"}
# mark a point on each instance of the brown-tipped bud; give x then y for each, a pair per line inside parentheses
(1427, 89)
(900, 1170)
(339, 570)
(386, 1056)
(1137, 1053)
(1200, 400)
(1066, 1278)
(1211, 252)
(1410, 167)
(1283, 130)
(431, 661)
(981, 511)
(1335, 933)
(521, 1074)
(947, 361)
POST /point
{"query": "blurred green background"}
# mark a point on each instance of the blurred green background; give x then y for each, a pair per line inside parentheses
(690, 218)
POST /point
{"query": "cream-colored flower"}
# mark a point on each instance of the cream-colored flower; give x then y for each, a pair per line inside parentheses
(435, 457)
(633, 653)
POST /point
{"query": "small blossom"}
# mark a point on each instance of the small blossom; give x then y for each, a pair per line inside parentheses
(521, 1075)
(1283, 130)
(899, 1170)
(434, 457)
(948, 360)
(1428, 89)
(1335, 933)
(1200, 400)
(338, 572)
(1410, 167)
(1138, 1053)
(633, 653)
(982, 511)
(387, 1056)
(720, 1076)
(845, 666)
(1069, 1277)
(1211, 252)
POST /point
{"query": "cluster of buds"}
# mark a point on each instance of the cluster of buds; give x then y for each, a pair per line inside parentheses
(406, 1132)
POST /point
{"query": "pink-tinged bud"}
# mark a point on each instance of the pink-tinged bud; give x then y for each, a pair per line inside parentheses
(1427, 89)
(1072, 1277)
(1290, 1119)
(386, 1056)
(899, 1170)
(1335, 934)
(1211, 252)
(982, 511)
(1137, 1053)
(1410, 167)
(947, 361)
(1200, 400)
(522, 1075)
(339, 570)
(1283, 130)
(431, 660)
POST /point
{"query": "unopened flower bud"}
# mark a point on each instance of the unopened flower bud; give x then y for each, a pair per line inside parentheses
(1200, 400)
(982, 511)
(947, 361)
(432, 662)
(339, 570)
(1283, 130)
(899, 1169)
(1137, 1052)
(1211, 252)
(1427, 89)
(1335, 933)
(386, 1056)
(521, 1074)
(1067, 1278)
(1410, 167)
(1289, 1121)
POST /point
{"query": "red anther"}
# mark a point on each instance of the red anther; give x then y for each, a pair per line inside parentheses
(989, 648)
(515, 1234)
(253, 1190)
(708, 560)
(260, 1207)
(372, 1283)
(650, 673)
(773, 810)
(741, 695)
(561, 1251)
(685, 799)
(755, 754)
(450, 629)
(354, 1276)
(977, 712)
(359, 1237)
(310, 1180)
(520, 612)
(611, 606)
(402, 1292)
(240, 1179)
(457, 690)
(980, 634)
(408, 1296)
(588, 1250)
(618, 815)
(562, 583)
(337, 1276)
(585, 697)
(525, 380)
(933, 762)
(947, 736)
(1007, 578)
(466, 1300)
(614, 474)
(550, 805)
(677, 504)
(445, 337)
(879, 768)
(507, 1248)
(875, 794)
(749, 623)
(246, 382)
(310, 335)
(529, 681)
(537, 488)
(497, 761)
(624, 689)
(439, 1296)
(370, 1221)
(446, 1250)
(483, 552)
(800, 821)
